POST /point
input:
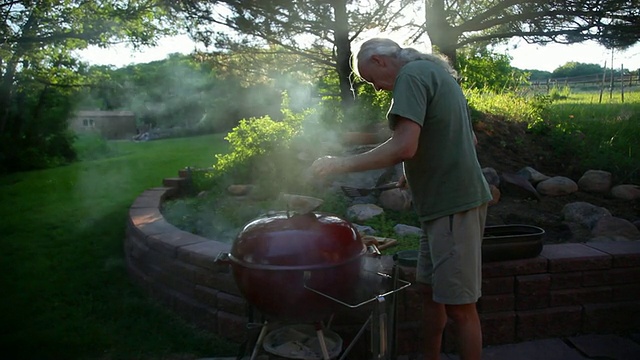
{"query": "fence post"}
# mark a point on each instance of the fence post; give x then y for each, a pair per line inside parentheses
(622, 81)
(604, 76)
(611, 83)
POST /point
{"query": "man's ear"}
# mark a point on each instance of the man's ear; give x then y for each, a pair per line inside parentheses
(378, 60)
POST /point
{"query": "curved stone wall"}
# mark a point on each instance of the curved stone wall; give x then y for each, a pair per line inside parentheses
(567, 290)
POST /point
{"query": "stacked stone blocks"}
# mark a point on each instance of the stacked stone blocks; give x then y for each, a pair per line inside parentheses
(567, 290)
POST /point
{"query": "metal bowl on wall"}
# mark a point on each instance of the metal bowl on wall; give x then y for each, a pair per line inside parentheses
(511, 242)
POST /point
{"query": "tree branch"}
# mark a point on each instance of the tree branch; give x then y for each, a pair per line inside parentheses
(552, 35)
(474, 22)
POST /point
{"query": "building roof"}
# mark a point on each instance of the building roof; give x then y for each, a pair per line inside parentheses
(99, 113)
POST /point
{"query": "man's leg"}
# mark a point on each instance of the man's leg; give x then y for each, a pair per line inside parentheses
(468, 331)
(435, 319)
(456, 246)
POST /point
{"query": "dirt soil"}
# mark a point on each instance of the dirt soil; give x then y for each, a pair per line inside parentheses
(508, 147)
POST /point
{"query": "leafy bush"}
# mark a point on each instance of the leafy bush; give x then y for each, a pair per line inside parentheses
(510, 105)
(559, 93)
(92, 146)
(260, 152)
(36, 134)
(368, 110)
(488, 71)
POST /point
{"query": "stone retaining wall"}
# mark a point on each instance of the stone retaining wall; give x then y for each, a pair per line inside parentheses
(569, 289)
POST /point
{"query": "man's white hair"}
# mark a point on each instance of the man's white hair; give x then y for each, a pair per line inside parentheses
(388, 47)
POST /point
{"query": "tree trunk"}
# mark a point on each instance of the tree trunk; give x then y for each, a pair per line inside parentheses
(6, 83)
(444, 37)
(343, 51)
(6, 92)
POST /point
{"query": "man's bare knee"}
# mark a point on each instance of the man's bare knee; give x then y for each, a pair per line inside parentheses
(461, 314)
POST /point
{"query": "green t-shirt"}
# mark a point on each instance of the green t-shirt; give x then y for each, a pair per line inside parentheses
(444, 175)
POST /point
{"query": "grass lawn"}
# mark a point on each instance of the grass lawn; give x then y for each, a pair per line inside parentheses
(610, 131)
(65, 290)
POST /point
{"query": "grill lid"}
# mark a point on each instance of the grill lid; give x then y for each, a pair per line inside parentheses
(282, 241)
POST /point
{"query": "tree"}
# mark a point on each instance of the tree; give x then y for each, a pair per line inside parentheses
(575, 69)
(36, 43)
(453, 24)
(319, 31)
(488, 71)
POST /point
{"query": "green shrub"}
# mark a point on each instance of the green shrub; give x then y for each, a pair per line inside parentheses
(559, 93)
(488, 71)
(260, 152)
(510, 105)
(92, 146)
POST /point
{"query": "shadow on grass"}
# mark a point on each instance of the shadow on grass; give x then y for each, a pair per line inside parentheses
(67, 295)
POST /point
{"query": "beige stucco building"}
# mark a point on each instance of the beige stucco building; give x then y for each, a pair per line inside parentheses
(110, 124)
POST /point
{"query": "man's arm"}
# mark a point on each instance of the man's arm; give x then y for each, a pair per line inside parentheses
(402, 145)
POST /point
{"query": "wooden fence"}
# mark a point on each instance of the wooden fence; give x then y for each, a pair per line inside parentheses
(619, 82)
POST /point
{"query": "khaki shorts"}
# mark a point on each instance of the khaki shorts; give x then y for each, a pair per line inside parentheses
(450, 258)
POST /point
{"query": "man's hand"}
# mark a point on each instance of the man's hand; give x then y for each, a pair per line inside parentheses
(325, 166)
(402, 182)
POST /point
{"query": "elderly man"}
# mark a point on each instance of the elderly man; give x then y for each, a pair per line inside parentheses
(433, 137)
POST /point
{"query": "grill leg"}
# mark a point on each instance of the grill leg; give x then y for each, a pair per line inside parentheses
(379, 330)
(256, 348)
(322, 342)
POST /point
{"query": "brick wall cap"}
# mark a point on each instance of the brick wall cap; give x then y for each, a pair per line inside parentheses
(571, 251)
(617, 248)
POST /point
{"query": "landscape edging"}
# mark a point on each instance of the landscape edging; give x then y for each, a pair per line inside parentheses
(568, 289)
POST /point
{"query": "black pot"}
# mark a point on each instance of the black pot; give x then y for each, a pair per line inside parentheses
(511, 242)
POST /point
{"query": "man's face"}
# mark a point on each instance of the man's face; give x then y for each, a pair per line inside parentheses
(379, 71)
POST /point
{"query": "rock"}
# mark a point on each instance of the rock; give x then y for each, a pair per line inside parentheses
(626, 192)
(584, 213)
(532, 175)
(579, 232)
(239, 190)
(495, 193)
(402, 230)
(369, 199)
(517, 185)
(299, 203)
(557, 186)
(613, 226)
(363, 212)
(365, 230)
(637, 224)
(491, 175)
(595, 181)
(395, 199)
(361, 179)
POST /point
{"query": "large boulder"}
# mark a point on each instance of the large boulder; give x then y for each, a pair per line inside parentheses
(363, 212)
(495, 195)
(611, 226)
(595, 181)
(513, 184)
(532, 175)
(403, 230)
(626, 192)
(557, 186)
(395, 199)
(491, 175)
(584, 213)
